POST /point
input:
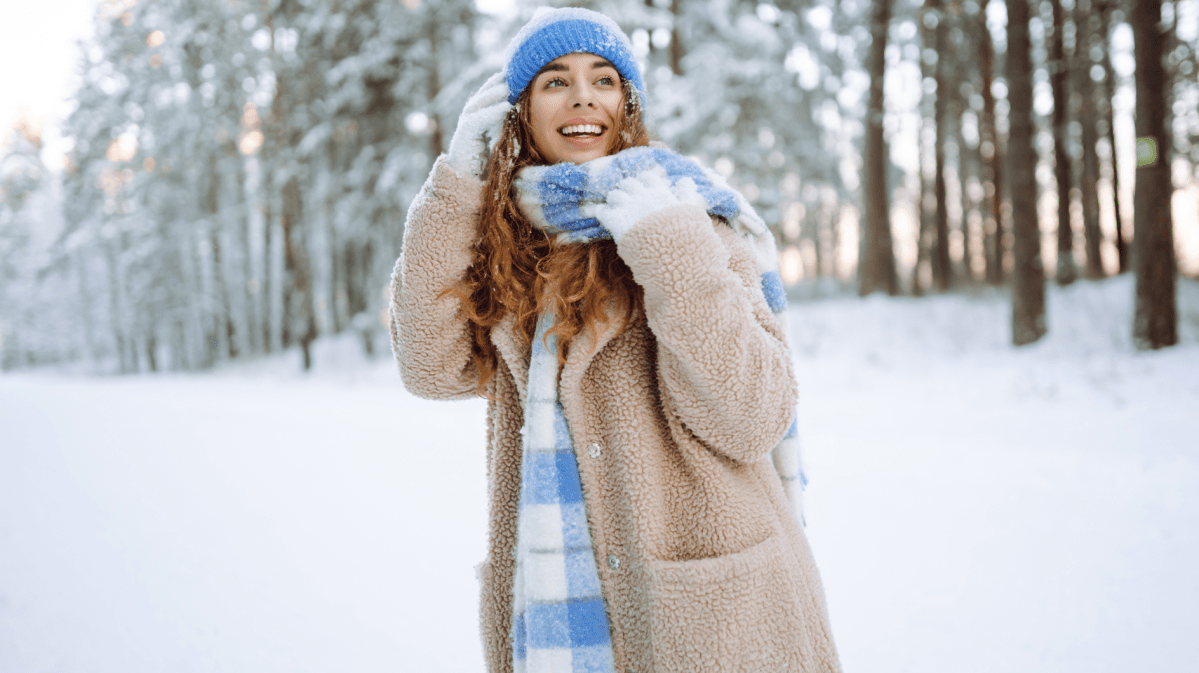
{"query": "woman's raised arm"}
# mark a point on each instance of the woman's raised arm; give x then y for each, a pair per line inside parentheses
(430, 335)
(723, 361)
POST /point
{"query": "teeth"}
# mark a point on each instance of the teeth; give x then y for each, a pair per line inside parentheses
(592, 129)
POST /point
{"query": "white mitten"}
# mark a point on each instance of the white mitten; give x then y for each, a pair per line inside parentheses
(635, 198)
(479, 127)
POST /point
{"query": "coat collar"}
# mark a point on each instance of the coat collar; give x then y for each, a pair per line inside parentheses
(514, 353)
(588, 343)
(584, 349)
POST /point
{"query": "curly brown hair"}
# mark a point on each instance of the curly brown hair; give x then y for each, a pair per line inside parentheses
(517, 269)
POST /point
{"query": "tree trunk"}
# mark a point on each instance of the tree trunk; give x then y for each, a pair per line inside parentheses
(234, 226)
(1028, 282)
(436, 144)
(1059, 70)
(924, 228)
(968, 170)
(959, 268)
(195, 320)
(247, 285)
(221, 324)
(276, 257)
(1109, 79)
(86, 301)
(272, 248)
(1156, 321)
(942, 271)
(151, 350)
(115, 314)
(299, 319)
(990, 151)
(1085, 23)
(876, 264)
(676, 43)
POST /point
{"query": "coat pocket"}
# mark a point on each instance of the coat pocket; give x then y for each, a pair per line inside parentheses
(738, 612)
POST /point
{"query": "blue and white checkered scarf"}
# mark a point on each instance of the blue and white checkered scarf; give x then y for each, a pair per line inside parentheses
(556, 197)
(559, 621)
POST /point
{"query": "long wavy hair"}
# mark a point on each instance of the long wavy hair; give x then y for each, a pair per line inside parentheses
(518, 270)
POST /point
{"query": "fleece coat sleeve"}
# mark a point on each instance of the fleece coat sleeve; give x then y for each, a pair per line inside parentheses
(430, 334)
(723, 362)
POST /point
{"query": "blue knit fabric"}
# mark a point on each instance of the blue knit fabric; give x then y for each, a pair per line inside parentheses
(559, 621)
(562, 191)
(570, 30)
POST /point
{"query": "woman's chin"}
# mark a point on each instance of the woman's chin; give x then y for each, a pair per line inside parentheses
(578, 155)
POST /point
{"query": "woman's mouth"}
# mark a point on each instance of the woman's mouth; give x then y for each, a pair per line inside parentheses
(582, 131)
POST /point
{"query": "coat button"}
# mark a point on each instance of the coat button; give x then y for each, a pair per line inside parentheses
(613, 562)
(593, 450)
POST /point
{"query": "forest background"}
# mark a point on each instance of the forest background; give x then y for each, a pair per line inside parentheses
(222, 199)
(233, 175)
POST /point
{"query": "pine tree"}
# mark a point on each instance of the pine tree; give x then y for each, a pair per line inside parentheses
(1028, 277)
(756, 100)
(1059, 72)
(876, 266)
(992, 155)
(941, 270)
(1155, 323)
(1107, 110)
(1087, 23)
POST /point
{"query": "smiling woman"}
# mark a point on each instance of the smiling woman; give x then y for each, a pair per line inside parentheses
(620, 308)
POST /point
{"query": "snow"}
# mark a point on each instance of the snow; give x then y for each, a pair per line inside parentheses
(972, 506)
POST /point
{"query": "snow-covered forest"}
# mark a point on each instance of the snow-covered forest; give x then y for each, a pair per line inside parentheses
(988, 219)
(239, 170)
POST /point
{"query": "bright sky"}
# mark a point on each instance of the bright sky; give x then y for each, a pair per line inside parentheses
(40, 56)
(38, 49)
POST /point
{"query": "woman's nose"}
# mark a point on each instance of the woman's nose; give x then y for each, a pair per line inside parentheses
(583, 95)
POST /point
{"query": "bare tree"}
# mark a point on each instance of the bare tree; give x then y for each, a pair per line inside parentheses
(876, 265)
(1155, 323)
(436, 143)
(942, 271)
(676, 43)
(1028, 281)
(1086, 23)
(991, 154)
(1105, 8)
(1059, 70)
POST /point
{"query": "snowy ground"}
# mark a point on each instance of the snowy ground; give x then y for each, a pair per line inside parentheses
(973, 507)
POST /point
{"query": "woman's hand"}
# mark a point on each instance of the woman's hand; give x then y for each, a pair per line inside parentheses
(479, 127)
(635, 198)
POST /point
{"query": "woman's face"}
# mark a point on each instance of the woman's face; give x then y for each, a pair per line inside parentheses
(574, 103)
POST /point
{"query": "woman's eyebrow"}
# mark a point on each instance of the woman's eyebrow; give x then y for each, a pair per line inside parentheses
(561, 67)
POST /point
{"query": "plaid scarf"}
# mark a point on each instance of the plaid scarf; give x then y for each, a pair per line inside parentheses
(559, 621)
(556, 198)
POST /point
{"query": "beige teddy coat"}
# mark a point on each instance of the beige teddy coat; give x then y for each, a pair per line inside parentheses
(702, 563)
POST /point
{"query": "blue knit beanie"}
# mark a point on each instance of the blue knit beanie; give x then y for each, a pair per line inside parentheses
(570, 30)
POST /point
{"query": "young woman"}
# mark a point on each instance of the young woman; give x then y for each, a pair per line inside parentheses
(620, 309)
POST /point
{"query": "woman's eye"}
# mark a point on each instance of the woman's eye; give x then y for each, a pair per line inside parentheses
(557, 81)
(606, 81)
